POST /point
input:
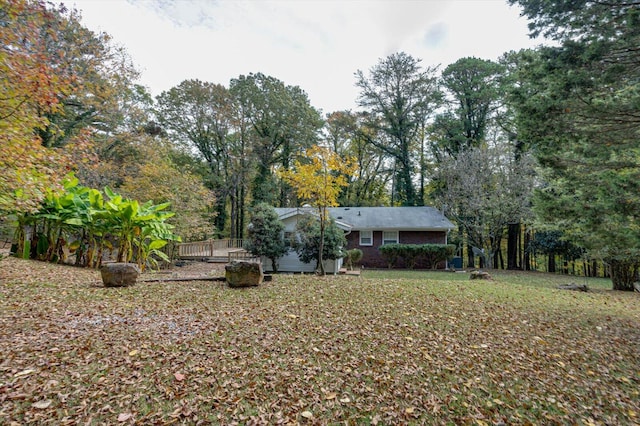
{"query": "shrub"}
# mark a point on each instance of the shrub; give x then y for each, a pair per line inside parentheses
(353, 256)
(436, 253)
(412, 253)
(391, 253)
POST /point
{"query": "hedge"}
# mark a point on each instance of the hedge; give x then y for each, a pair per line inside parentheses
(412, 253)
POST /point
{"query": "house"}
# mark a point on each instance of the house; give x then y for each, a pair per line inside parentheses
(367, 228)
(290, 261)
(372, 227)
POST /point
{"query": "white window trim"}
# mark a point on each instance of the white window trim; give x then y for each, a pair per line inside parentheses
(370, 238)
(388, 241)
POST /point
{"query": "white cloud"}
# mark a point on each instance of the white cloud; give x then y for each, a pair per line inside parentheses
(315, 44)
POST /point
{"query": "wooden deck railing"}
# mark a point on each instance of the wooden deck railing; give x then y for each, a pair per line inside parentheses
(209, 248)
(242, 254)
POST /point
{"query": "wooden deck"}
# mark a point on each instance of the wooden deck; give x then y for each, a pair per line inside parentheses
(221, 251)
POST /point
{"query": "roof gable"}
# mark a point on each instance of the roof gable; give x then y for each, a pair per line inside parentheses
(286, 213)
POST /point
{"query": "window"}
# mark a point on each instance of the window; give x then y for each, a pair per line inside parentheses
(390, 237)
(366, 238)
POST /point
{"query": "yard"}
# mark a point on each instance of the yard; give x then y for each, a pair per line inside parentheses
(384, 348)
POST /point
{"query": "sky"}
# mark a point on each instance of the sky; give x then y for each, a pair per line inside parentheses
(317, 45)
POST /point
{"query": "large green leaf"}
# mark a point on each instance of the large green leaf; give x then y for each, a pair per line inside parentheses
(157, 244)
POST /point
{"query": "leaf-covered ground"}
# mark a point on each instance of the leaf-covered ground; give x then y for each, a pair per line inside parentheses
(383, 348)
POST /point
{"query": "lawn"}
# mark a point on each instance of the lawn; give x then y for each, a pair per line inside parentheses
(384, 348)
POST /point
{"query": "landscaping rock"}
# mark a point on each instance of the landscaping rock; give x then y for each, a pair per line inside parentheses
(244, 274)
(480, 275)
(119, 274)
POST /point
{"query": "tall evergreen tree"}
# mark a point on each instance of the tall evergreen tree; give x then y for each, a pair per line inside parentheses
(578, 106)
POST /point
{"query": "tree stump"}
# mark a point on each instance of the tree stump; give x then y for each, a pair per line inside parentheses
(243, 274)
(480, 275)
(119, 274)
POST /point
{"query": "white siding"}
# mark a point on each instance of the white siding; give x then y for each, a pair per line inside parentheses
(290, 261)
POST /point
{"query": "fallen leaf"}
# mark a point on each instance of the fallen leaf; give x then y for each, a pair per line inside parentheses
(133, 352)
(179, 377)
(345, 400)
(307, 414)
(331, 395)
(123, 417)
(45, 403)
(23, 373)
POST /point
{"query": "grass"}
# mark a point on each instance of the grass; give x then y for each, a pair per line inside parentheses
(389, 347)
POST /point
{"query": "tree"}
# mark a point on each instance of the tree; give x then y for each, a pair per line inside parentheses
(200, 115)
(484, 189)
(265, 234)
(100, 75)
(552, 243)
(29, 84)
(314, 244)
(577, 106)
(398, 94)
(317, 180)
(157, 178)
(61, 86)
(347, 135)
(281, 123)
(472, 86)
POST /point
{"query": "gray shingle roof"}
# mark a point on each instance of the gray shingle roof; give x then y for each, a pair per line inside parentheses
(379, 218)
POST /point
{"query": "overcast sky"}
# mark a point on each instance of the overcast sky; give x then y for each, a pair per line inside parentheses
(315, 44)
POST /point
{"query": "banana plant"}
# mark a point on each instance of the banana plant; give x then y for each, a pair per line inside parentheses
(61, 216)
(90, 221)
(137, 226)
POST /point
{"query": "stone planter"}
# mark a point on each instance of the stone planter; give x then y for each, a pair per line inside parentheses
(243, 274)
(119, 274)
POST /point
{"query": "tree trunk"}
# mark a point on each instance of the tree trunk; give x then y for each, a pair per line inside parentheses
(513, 238)
(551, 262)
(624, 273)
(233, 233)
(406, 186)
(527, 255)
(496, 258)
(471, 261)
(320, 266)
(241, 208)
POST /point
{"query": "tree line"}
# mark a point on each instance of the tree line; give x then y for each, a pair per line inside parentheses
(543, 139)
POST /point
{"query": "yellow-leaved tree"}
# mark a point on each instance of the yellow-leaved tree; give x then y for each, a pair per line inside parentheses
(318, 176)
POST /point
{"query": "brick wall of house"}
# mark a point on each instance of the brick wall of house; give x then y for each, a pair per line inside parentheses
(372, 258)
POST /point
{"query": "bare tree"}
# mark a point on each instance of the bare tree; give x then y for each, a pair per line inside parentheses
(484, 189)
